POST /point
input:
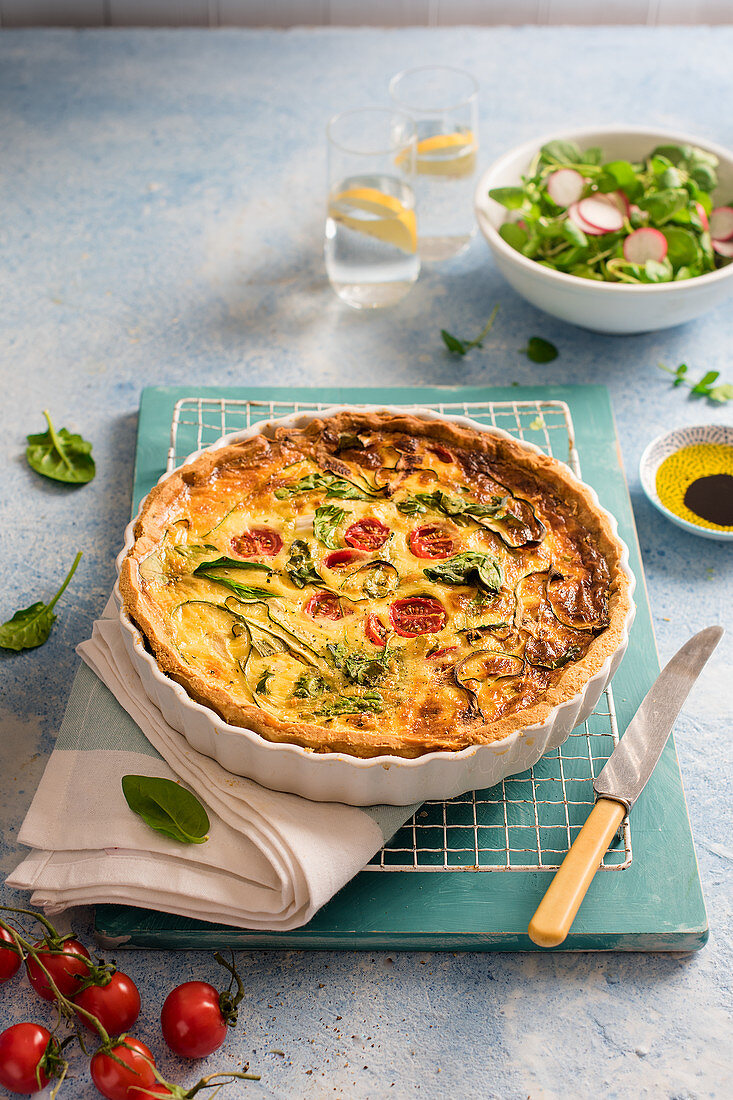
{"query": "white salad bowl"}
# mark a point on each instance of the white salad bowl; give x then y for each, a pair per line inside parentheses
(617, 308)
(338, 777)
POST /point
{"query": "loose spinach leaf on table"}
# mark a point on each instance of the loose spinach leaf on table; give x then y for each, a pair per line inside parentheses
(167, 807)
(325, 524)
(539, 350)
(300, 566)
(60, 455)
(31, 626)
(470, 567)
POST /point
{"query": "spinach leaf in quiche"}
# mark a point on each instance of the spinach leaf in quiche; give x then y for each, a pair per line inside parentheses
(458, 510)
(470, 567)
(230, 563)
(325, 524)
(309, 685)
(31, 626)
(333, 486)
(360, 668)
(60, 455)
(247, 593)
(300, 566)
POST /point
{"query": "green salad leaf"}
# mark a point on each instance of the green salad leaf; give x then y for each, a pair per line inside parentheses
(31, 626)
(167, 807)
(61, 456)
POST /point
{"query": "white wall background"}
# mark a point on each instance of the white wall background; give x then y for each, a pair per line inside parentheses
(388, 13)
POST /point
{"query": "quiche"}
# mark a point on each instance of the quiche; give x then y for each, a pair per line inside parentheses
(377, 584)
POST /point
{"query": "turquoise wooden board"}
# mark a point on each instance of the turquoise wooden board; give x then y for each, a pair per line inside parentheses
(656, 904)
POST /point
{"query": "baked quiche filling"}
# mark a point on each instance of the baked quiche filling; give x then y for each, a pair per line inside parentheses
(376, 584)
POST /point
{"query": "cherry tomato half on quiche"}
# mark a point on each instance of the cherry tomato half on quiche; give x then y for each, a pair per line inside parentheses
(260, 542)
(192, 1020)
(441, 453)
(338, 559)
(375, 630)
(430, 541)
(116, 1005)
(66, 966)
(324, 605)
(367, 534)
(9, 957)
(417, 615)
(117, 1082)
(26, 1052)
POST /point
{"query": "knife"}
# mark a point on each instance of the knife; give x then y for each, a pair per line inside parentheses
(619, 785)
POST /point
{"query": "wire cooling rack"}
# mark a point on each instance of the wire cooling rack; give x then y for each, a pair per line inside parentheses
(528, 821)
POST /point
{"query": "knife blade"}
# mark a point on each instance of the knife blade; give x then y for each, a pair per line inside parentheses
(618, 786)
(627, 771)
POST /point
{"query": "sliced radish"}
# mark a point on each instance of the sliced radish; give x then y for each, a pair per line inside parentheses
(702, 215)
(601, 214)
(645, 244)
(565, 186)
(617, 199)
(576, 219)
(721, 223)
(724, 248)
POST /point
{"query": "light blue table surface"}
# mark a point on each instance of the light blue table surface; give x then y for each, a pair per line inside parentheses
(161, 204)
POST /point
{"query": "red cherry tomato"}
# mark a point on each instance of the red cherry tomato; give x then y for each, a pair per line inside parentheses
(22, 1047)
(324, 605)
(116, 1005)
(375, 630)
(430, 541)
(9, 957)
(337, 559)
(68, 970)
(192, 1020)
(441, 453)
(417, 615)
(260, 542)
(367, 534)
(118, 1082)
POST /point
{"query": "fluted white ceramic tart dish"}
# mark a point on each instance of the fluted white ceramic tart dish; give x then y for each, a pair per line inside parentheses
(374, 605)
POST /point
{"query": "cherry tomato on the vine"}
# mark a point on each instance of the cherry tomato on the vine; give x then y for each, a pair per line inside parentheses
(116, 1005)
(118, 1082)
(192, 1020)
(9, 957)
(23, 1053)
(66, 966)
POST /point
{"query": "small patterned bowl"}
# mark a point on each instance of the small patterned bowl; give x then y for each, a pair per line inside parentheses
(664, 446)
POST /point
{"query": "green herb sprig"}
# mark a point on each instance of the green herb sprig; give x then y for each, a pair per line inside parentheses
(31, 626)
(462, 347)
(704, 387)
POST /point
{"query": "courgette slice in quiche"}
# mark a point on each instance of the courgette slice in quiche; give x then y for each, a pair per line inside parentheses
(483, 668)
(575, 605)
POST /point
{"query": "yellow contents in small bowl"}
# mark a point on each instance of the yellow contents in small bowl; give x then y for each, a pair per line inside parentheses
(696, 483)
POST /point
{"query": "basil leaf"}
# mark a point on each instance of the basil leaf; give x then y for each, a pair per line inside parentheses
(325, 522)
(31, 626)
(231, 563)
(300, 566)
(60, 455)
(470, 567)
(167, 807)
(245, 592)
(334, 487)
(540, 351)
(359, 668)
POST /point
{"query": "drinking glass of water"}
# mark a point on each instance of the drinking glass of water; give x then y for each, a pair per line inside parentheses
(371, 229)
(444, 104)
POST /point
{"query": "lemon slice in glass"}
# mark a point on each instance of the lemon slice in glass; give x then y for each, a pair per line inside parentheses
(447, 154)
(374, 212)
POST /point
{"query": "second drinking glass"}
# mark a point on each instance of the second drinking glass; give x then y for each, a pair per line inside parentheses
(444, 104)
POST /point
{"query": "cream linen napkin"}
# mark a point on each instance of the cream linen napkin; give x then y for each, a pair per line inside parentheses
(271, 861)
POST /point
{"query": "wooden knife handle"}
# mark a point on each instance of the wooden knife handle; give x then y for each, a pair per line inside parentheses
(556, 912)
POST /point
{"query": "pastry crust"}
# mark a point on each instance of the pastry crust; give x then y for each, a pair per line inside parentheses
(564, 585)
